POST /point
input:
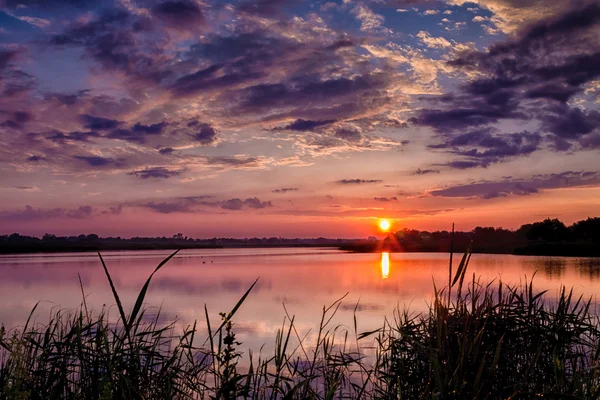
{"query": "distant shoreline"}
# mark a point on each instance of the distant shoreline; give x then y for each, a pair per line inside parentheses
(534, 249)
(84, 249)
(545, 249)
(549, 237)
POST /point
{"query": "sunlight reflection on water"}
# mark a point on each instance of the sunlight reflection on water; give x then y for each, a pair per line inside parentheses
(385, 265)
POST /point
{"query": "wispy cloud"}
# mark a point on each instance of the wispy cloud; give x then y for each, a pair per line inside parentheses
(358, 181)
(284, 190)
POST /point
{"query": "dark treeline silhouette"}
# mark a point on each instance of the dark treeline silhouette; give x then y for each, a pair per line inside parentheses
(16, 243)
(549, 237)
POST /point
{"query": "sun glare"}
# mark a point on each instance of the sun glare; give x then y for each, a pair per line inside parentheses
(385, 265)
(384, 225)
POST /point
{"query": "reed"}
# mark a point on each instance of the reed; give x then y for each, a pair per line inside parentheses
(477, 341)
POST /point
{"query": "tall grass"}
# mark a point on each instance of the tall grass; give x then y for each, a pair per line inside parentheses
(477, 341)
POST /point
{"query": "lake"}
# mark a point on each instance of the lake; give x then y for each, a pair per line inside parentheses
(304, 279)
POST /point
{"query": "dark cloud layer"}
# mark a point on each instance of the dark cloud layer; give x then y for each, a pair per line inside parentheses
(484, 146)
(307, 90)
(156, 173)
(34, 214)
(170, 61)
(179, 14)
(16, 120)
(153, 129)
(523, 187)
(166, 150)
(206, 134)
(306, 125)
(203, 204)
(348, 134)
(251, 202)
(97, 161)
(529, 77)
(168, 207)
(6, 56)
(98, 123)
(77, 136)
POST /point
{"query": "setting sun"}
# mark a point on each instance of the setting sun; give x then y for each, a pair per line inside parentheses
(384, 225)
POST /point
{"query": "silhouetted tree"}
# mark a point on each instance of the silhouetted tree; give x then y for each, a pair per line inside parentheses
(587, 230)
(549, 230)
(523, 231)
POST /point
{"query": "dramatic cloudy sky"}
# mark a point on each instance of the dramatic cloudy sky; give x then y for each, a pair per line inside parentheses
(296, 118)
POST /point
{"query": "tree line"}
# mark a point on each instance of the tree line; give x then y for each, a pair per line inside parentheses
(16, 243)
(547, 237)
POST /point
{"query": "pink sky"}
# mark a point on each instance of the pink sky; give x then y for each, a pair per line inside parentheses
(296, 119)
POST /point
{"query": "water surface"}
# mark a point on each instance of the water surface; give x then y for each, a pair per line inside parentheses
(304, 279)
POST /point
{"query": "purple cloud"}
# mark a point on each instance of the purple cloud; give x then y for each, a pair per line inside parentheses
(528, 77)
(254, 202)
(284, 190)
(357, 181)
(166, 150)
(179, 14)
(232, 204)
(168, 207)
(97, 161)
(306, 125)
(156, 173)
(98, 123)
(154, 129)
(206, 135)
(34, 214)
(523, 187)
(426, 171)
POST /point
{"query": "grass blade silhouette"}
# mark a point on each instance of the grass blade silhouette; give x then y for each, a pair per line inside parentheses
(142, 294)
(462, 266)
(114, 292)
(238, 305)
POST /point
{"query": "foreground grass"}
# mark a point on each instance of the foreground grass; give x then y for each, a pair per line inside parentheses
(477, 341)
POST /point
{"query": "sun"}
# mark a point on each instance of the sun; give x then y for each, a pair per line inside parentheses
(384, 225)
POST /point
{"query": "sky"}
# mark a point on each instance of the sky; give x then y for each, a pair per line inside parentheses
(296, 118)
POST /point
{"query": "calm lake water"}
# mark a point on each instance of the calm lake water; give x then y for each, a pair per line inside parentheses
(304, 279)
